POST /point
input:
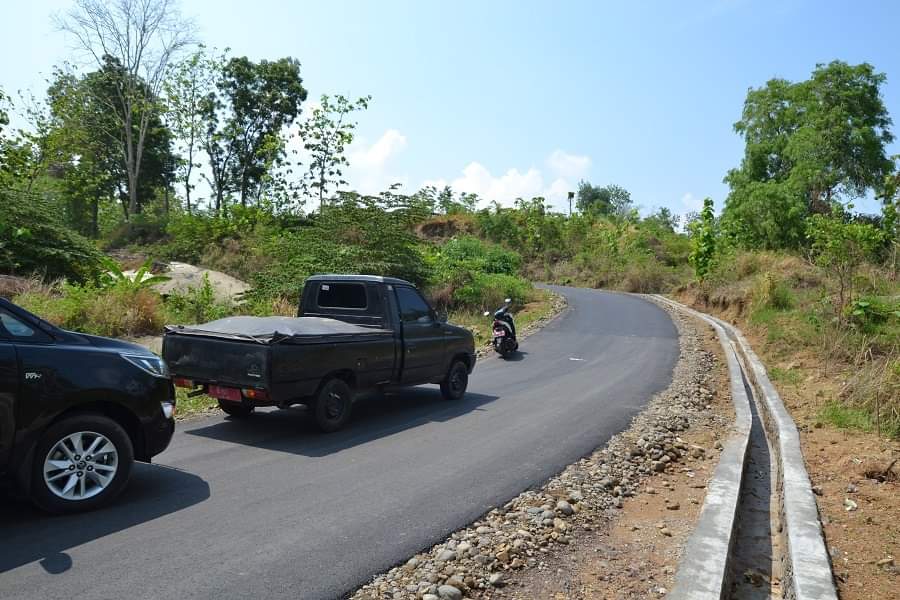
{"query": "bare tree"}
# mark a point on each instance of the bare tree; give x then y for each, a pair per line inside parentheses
(142, 37)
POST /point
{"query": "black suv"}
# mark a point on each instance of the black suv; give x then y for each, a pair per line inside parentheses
(76, 411)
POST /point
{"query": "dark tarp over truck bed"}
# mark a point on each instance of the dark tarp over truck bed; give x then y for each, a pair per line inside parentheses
(276, 329)
(219, 351)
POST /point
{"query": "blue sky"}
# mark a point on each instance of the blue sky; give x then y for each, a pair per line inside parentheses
(525, 98)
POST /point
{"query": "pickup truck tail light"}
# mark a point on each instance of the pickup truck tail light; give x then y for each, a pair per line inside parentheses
(255, 394)
(182, 382)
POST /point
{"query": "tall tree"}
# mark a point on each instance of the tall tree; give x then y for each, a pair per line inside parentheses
(86, 134)
(188, 84)
(245, 118)
(85, 156)
(4, 115)
(142, 37)
(808, 144)
(664, 219)
(326, 134)
(609, 200)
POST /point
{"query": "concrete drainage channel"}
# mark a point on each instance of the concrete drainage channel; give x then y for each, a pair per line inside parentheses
(758, 535)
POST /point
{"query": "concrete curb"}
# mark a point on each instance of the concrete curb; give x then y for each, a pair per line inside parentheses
(807, 569)
(704, 570)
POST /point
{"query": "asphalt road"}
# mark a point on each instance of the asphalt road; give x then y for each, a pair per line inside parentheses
(268, 508)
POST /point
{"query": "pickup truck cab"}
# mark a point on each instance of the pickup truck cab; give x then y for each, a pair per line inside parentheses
(352, 333)
(76, 411)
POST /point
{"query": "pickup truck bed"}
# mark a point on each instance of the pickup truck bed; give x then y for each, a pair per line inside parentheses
(285, 355)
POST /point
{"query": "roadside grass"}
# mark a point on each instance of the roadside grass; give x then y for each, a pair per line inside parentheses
(846, 417)
(790, 305)
(789, 376)
(187, 406)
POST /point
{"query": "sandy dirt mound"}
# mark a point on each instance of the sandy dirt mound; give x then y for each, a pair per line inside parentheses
(183, 277)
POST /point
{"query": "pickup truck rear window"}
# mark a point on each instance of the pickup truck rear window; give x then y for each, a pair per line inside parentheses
(342, 295)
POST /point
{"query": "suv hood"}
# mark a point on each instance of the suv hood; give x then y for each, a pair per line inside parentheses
(112, 344)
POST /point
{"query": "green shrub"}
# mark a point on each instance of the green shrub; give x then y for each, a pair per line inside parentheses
(197, 305)
(840, 248)
(703, 237)
(470, 253)
(140, 230)
(33, 239)
(771, 292)
(355, 236)
(871, 311)
(489, 290)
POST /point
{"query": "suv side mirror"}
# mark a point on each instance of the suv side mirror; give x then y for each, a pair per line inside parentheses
(442, 316)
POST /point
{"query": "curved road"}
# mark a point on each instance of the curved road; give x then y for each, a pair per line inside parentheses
(267, 508)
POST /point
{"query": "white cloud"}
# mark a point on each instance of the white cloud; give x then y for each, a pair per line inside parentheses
(568, 165)
(370, 163)
(691, 203)
(515, 183)
(363, 155)
(476, 179)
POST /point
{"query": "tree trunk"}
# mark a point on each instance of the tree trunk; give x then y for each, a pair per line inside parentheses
(187, 187)
(244, 185)
(166, 198)
(95, 217)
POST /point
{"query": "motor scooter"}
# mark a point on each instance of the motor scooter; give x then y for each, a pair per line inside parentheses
(503, 337)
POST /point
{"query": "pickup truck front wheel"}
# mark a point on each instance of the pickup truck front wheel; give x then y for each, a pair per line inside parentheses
(453, 387)
(333, 405)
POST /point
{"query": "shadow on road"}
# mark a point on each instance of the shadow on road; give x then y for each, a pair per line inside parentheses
(517, 356)
(374, 416)
(29, 535)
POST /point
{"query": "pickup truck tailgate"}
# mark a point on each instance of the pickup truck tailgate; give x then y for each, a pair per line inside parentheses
(215, 359)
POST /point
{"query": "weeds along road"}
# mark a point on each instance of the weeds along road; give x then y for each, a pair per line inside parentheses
(267, 508)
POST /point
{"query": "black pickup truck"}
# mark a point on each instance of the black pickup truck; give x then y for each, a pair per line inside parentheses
(352, 333)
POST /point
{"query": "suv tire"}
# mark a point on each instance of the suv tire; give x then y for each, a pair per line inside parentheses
(80, 463)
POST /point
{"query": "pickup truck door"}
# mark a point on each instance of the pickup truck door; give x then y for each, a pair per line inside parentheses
(423, 338)
(9, 387)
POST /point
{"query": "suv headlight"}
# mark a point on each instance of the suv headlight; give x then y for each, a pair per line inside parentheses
(149, 363)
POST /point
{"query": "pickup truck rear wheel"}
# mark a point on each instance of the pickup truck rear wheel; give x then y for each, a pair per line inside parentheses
(333, 404)
(81, 463)
(453, 387)
(237, 410)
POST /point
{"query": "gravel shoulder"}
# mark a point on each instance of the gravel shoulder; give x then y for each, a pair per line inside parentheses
(611, 525)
